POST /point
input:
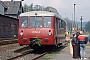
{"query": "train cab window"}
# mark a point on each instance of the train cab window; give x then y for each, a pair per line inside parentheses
(24, 22)
(47, 22)
(35, 22)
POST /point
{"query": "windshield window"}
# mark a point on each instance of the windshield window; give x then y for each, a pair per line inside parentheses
(35, 22)
(47, 22)
(24, 22)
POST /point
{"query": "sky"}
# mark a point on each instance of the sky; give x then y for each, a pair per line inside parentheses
(65, 7)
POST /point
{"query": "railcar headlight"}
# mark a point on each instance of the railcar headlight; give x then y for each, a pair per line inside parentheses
(21, 33)
(49, 33)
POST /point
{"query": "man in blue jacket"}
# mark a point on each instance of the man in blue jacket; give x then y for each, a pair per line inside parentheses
(82, 41)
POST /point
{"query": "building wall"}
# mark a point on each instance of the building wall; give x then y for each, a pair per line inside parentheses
(1, 9)
(8, 27)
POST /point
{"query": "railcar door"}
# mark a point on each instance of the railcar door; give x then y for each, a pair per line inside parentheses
(56, 31)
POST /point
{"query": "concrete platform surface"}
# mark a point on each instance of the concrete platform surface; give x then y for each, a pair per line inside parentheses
(64, 54)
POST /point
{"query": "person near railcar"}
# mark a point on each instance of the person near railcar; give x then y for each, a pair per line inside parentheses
(75, 47)
(78, 46)
(82, 41)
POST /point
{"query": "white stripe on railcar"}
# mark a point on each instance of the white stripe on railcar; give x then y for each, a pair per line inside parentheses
(41, 13)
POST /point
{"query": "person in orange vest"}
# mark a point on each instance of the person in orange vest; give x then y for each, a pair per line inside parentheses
(82, 41)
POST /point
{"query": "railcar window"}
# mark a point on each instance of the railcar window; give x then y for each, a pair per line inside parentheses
(35, 22)
(47, 22)
(24, 22)
(62, 24)
(59, 23)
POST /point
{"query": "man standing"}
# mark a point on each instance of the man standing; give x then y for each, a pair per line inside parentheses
(77, 34)
(78, 47)
(75, 47)
(82, 42)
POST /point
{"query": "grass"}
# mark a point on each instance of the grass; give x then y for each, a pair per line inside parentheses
(48, 56)
(51, 55)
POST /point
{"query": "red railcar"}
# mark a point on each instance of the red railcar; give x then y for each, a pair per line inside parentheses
(37, 28)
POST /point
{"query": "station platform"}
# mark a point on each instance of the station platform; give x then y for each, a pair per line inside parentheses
(64, 54)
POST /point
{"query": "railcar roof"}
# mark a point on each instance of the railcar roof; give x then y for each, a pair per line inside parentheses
(39, 13)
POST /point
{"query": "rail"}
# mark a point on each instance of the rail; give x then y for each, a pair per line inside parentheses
(39, 56)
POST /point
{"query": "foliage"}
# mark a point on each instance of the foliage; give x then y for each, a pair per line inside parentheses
(39, 41)
(27, 8)
(51, 55)
(87, 27)
(51, 9)
(48, 56)
(30, 8)
(38, 8)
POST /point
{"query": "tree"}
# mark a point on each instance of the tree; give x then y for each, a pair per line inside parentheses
(27, 8)
(87, 26)
(51, 9)
(30, 8)
(38, 8)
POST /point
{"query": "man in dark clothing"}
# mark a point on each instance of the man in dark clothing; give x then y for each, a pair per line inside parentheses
(77, 34)
(78, 47)
(75, 47)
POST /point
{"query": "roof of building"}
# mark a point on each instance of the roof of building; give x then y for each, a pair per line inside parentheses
(12, 6)
(8, 16)
(3, 4)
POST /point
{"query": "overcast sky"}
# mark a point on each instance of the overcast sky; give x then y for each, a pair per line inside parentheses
(65, 6)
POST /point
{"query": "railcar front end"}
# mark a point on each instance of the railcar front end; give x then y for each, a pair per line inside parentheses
(39, 28)
(35, 32)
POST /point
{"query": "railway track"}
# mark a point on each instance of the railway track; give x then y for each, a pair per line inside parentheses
(16, 52)
(13, 58)
(29, 55)
(8, 41)
(33, 58)
(39, 56)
